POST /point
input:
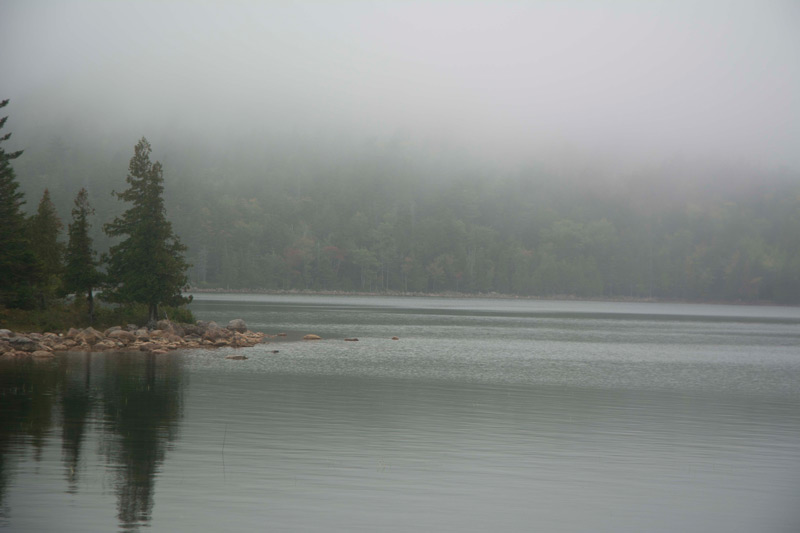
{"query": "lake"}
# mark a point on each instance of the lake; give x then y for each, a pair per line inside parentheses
(485, 415)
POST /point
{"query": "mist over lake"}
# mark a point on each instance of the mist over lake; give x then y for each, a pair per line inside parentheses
(565, 416)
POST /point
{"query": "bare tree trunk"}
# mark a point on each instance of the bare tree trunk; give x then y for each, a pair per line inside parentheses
(90, 301)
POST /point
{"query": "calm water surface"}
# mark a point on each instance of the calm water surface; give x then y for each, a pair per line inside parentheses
(503, 415)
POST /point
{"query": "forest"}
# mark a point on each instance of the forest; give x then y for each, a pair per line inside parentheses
(397, 215)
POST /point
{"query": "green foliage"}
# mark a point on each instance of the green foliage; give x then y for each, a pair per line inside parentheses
(138, 313)
(44, 229)
(81, 276)
(59, 316)
(387, 218)
(19, 270)
(148, 266)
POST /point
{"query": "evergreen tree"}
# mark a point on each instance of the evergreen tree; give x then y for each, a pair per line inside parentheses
(80, 271)
(44, 228)
(18, 267)
(148, 265)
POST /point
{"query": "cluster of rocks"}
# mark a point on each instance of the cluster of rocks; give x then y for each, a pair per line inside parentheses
(162, 338)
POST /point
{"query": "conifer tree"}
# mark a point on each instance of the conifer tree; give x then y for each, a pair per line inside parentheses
(44, 228)
(18, 266)
(80, 271)
(148, 265)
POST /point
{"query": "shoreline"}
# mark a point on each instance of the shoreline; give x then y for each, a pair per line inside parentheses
(166, 336)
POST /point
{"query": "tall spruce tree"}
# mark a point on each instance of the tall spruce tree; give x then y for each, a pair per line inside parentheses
(44, 229)
(18, 267)
(80, 271)
(148, 265)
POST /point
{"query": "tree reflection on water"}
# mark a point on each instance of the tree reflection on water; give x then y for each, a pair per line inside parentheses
(131, 403)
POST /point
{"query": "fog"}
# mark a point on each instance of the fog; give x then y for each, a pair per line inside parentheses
(509, 81)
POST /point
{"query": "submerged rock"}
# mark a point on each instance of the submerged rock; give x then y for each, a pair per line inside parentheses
(236, 357)
(312, 337)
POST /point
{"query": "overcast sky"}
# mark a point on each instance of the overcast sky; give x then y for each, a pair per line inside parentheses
(717, 79)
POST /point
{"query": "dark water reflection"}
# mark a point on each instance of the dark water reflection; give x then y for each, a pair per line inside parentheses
(485, 416)
(131, 403)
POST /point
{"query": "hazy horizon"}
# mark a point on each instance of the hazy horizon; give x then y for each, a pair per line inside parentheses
(506, 81)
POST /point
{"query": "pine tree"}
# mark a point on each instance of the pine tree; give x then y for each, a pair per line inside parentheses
(18, 266)
(80, 271)
(148, 265)
(44, 229)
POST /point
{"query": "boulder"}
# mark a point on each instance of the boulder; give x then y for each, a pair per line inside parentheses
(174, 339)
(190, 329)
(238, 325)
(169, 326)
(24, 344)
(111, 330)
(395, 338)
(5, 333)
(72, 333)
(105, 345)
(213, 334)
(122, 336)
(89, 336)
(42, 354)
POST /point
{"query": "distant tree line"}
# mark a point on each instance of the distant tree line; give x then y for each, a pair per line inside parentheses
(394, 217)
(36, 268)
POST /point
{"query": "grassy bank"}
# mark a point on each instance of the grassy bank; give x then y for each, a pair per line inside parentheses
(60, 316)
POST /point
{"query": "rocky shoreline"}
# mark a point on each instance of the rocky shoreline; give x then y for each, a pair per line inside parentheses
(162, 338)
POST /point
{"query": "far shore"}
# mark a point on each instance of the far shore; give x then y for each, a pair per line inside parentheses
(481, 295)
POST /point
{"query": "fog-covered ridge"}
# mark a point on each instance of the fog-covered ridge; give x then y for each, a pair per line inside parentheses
(566, 148)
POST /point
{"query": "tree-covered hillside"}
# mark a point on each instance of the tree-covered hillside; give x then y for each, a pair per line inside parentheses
(399, 216)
